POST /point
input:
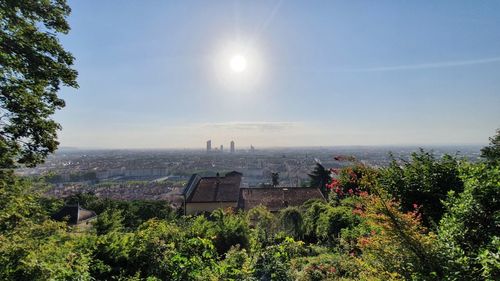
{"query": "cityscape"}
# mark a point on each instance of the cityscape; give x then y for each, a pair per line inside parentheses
(238, 140)
(162, 174)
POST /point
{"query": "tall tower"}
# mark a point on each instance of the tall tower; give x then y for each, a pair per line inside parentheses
(232, 147)
(209, 145)
(221, 148)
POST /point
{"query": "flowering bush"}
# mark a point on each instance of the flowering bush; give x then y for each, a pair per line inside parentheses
(351, 180)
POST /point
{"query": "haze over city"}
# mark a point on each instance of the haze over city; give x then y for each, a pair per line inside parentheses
(282, 73)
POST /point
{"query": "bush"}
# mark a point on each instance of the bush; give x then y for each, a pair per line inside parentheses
(469, 232)
(263, 223)
(423, 183)
(332, 221)
(273, 262)
(329, 266)
(311, 217)
(292, 222)
(229, 230)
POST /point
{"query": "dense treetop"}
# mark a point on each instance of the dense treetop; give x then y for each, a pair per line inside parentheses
(34, 66)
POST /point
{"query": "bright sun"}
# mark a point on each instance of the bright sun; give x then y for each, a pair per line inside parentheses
(238, 63)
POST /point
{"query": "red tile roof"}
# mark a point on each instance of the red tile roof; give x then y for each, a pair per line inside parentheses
(276, 198)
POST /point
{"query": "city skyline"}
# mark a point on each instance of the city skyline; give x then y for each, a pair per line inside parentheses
(282, 73)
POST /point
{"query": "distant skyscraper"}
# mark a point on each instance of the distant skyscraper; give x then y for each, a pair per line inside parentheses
(221, 148)
(232, 147)
(209, 145)
(252, 149)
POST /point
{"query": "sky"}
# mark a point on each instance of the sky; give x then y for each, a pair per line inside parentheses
(157, 74)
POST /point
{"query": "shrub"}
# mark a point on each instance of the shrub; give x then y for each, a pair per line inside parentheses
(469, 232)
(332, 221)
(292, 222)
(424, 181)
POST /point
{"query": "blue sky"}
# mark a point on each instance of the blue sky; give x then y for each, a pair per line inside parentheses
(155, 74)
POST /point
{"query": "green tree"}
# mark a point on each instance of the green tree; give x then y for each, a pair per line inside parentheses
(423, 182)
(292, 222)
(44, 251)
(107, 221)
(470, 231)
(263, 222)
(492, 152)
(332, 221)
(19, 204)
(34, 66)
(311, 217)
(320, 177)
(275, 178)
(230, 230)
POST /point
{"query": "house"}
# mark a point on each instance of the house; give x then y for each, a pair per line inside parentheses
(74, 215)
(206, 194)
(276, 198)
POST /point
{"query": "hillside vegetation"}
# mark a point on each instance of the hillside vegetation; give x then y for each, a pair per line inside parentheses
(426, 219)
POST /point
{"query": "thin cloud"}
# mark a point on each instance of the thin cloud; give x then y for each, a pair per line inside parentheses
(426, 65)
(259, 126)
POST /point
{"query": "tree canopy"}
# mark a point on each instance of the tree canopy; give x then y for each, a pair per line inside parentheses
(492, 152)
(34, 66)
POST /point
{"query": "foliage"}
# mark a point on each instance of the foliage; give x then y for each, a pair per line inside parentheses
(320, 177)
(236, 266)
(18, 204)
(331, 222)
(326, 266)
(275, 178)
(134, 212)
(263, 222)
(273, 262)
(351, 180)
(292, 222)
(397, 245)
(423, 183)
(470, 231)
(107, 221)
(311, 216)
(42, 252)
(492, 152)
(360, 236)
(34, 66)
(229, 230)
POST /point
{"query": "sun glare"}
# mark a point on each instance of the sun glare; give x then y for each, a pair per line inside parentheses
(239, 67)
(238, 63)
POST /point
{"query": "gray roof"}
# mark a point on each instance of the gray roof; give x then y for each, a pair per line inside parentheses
(213, 189)
(74, 214)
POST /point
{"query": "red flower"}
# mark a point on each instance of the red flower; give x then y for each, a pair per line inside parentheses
(333, 184)
(363, 194)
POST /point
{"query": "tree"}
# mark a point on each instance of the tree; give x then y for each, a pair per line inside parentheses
(107, 221)
(469, 233)
(492, 152)
(229, 230)
(423, 182)
(263, 222)
(292, 222)
(34, 66)
(320, 177)
(275, 177)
